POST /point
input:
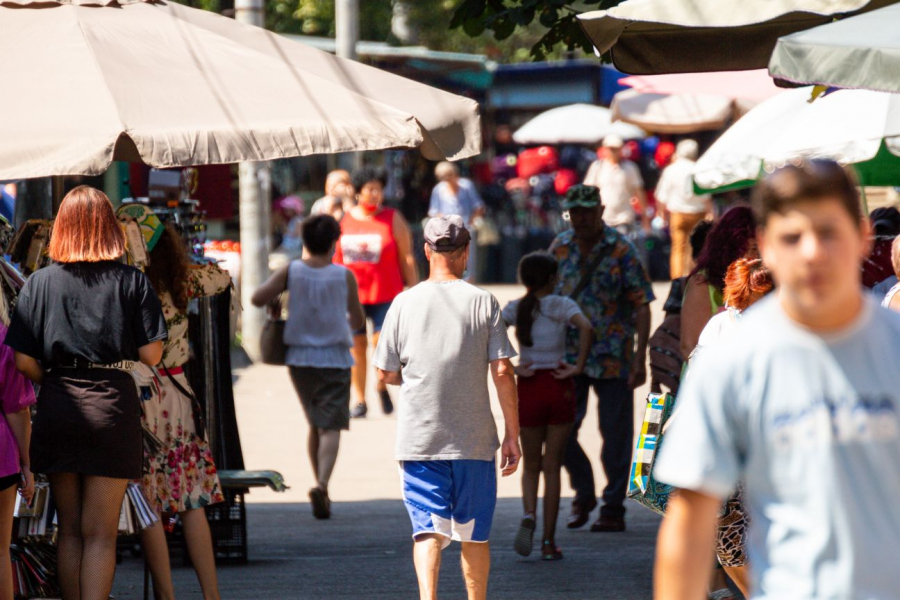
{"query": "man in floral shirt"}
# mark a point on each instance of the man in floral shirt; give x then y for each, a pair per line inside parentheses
(616, 300)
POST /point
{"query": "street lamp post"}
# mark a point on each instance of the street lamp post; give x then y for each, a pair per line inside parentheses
(255, 217)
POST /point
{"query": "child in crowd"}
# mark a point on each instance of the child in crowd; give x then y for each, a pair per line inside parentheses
(546, 390)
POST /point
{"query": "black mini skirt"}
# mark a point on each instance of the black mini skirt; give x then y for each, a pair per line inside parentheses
(88, 421)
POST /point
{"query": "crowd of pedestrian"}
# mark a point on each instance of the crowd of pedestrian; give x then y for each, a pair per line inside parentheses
(785, 412)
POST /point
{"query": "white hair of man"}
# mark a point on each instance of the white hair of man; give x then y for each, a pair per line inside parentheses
(446, 170)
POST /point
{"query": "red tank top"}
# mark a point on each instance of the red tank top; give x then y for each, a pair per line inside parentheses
(368, 248)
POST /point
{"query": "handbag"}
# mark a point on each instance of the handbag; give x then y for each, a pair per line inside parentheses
(272, 349)
(642, 486)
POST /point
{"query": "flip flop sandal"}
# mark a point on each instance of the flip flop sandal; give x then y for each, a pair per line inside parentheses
(550, 551)
(524, 542)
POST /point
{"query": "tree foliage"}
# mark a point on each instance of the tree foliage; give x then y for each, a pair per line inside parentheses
(503, 18)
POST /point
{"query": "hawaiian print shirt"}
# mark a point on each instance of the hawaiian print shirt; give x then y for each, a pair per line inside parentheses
(618, 287)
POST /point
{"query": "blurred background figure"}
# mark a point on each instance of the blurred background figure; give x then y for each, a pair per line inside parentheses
(619, 181)
(455, 195)
(680, 206)
(878, 270)
(290, 209)
(338, 197)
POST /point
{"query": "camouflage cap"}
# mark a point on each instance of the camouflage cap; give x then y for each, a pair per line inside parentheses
(581, 196)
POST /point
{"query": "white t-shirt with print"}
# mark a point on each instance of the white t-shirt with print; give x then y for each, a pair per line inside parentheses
(618, 184)
(548, 332)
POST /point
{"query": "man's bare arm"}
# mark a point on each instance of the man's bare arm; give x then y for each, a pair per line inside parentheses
(503, 374)
(684, 547)
(390, 377)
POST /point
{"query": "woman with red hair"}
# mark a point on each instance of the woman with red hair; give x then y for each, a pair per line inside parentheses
(746, 281)
(78, 328)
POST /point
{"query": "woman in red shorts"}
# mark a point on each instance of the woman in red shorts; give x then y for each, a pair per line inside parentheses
(546, 391)
(376, 246)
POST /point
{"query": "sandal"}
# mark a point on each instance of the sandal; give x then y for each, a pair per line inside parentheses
(524, 542)
(550, 551)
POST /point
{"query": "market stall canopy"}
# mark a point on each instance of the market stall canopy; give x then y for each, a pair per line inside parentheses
(648, 37)
(672, 113)
(862, 52)
(175, 86)
(751, 86)
(856, 127)
(574, 124)
(734, 161)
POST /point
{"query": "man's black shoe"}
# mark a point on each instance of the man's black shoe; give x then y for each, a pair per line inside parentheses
(609, 524)
(581, 512)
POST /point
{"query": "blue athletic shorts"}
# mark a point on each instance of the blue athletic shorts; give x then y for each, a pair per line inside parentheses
(376, 313)
(452, 498)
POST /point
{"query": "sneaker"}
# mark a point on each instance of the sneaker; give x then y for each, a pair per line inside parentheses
(387, 407)
(359, 411)
(525, 537)
(321, 505)
(609, 524)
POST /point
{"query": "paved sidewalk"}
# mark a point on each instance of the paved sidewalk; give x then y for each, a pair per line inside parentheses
(365, 550)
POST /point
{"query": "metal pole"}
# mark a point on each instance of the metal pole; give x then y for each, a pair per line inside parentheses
(255, 208)
(346, 25)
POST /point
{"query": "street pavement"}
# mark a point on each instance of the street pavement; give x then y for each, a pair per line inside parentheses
(364, 551)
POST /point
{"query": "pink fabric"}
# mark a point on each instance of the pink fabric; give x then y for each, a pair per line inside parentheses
(16, 394)
(753, 85)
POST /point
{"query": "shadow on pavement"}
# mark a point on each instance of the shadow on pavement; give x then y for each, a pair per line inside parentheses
(364, 552)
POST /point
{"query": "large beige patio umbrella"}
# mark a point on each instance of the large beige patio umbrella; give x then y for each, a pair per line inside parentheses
(649, 37)
(175, 86)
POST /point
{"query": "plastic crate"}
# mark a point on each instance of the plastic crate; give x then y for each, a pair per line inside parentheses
(228, 525)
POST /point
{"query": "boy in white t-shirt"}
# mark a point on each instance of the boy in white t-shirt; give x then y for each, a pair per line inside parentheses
(803, 406)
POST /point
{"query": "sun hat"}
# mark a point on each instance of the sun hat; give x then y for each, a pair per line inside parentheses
(613, 141)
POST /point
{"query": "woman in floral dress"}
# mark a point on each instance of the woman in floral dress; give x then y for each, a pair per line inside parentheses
(181, 477)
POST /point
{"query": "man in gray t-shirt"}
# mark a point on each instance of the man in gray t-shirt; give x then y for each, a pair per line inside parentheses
(438, 342)
(801, 403)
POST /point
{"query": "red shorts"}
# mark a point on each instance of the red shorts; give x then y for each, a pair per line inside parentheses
(545, 400)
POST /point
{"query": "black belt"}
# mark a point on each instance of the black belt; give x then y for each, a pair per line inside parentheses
(122, 365)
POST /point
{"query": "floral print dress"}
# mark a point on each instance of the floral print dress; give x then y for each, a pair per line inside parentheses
(181, 476)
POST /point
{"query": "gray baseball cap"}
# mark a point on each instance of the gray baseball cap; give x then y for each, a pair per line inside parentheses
(445, 234)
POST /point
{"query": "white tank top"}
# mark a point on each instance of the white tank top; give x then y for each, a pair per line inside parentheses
(317, 332)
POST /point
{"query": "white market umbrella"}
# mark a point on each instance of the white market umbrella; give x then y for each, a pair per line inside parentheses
(855, 127)
(648, 37)
(672, 113)
(859, 52)
(735, 159)
(175, 86)
(575, 124)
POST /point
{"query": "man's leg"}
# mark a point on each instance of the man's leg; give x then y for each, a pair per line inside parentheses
(427, 560)
(360, 364)
(616, 411)
(476, 568)
(679, 245)
(576, 462)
